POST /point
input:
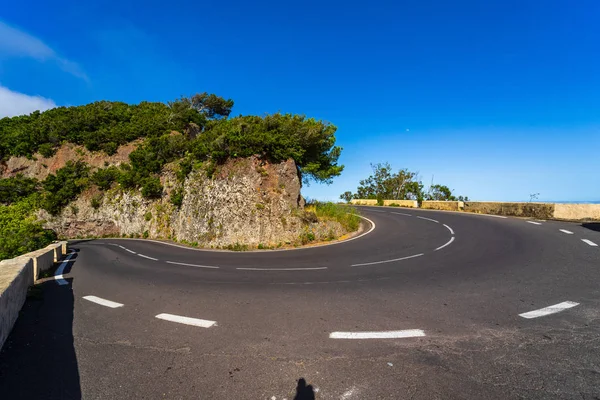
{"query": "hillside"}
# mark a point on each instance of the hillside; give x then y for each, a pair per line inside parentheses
(183, 171)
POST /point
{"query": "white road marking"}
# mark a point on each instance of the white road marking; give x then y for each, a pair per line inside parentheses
(192, 265)
(408, 215)
(534, 223)
(377, 211)
(450, 229)
(447, 244)
(58, 275)
(126, 249)
(378, 335)
(429, 219)
(348, 393)
(103, 302)
(491, 215)
(589, 242)
(386, 261)
(202, 323)
(281, 269)
(542, 312)
(149, 258)
(566, 231)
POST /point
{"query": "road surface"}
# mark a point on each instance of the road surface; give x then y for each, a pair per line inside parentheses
(426, 305)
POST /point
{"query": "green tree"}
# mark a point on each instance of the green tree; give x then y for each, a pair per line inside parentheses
(17, 188)
(384, 184)
(346, 196)
(440, 193)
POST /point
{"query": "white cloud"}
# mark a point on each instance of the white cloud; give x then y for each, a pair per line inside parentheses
(16, 43)
(14, 103)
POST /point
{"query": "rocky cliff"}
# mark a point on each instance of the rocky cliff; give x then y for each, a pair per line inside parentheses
(247, 203)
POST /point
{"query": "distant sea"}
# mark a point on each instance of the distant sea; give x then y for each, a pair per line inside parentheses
(565, 202)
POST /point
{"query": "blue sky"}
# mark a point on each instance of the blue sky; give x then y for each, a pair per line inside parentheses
(496, 99)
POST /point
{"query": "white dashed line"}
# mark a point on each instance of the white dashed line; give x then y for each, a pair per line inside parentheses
(281, 269)
(450, 229)
(149, 258)
(542, 312)
(566, 231)
(534, 223)
(377, 211)
(589, 242)
(429, 219)
(407, 215)
(378, 335)
(103, 302)
(58, 275)
(202, 323)
(491, 215)
(447, 244)
(192, 265)
(126, 249)
(387, 261)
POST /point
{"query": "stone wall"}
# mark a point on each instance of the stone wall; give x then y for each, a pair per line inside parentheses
(402, 203)
(443, 205)
(529, 210)
(364, 202)
(577, 212)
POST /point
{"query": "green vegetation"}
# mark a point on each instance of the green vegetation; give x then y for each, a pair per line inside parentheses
(17, 188)
(347, 216)
(65, 186)
(20, 232)
(195, 133)
(96, 202)
(384, 184)
(177, 197)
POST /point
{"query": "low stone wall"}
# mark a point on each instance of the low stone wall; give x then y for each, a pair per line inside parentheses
(16, 275)
(577, 212)
(402, 203)
(529, 210)
(364, 202)
(443, 205)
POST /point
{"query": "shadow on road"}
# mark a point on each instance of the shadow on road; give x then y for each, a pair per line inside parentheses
(594, 226)
(38, 359)
(304, 392)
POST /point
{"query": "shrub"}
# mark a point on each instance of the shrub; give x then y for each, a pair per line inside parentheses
(177, 197)
(46, 150)
(95, 202)
(148, 216)
(151, 187)
(237, 247)
(103, 178)
(17, 188)
(146, 234)
(65, 186)
(20, 232)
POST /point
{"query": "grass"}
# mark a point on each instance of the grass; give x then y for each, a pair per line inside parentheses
(345, 215)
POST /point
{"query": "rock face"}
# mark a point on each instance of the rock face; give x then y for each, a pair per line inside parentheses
(40, 167)
(246, 202)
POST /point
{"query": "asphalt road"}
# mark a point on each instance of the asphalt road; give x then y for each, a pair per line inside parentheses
(448, 305)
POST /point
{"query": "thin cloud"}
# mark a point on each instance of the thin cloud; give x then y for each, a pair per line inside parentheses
(15, 103)
(16, 43)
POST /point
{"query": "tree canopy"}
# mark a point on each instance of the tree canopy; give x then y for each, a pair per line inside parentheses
(384, 184)
(105, 125)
